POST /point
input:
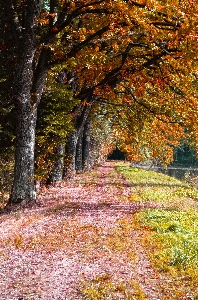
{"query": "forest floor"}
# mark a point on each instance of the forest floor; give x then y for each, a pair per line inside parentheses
(85, 241)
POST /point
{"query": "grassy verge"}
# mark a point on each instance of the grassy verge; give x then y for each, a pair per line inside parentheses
(101, 287)
(169, 233)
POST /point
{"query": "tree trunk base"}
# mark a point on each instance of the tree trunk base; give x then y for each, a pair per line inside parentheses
(20, 205)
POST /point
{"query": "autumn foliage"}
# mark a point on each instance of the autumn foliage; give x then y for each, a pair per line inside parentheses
(135, 60)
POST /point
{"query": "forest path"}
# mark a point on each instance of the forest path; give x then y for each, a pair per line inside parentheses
(75, 244)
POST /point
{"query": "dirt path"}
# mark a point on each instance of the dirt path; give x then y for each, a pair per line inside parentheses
(52, 251)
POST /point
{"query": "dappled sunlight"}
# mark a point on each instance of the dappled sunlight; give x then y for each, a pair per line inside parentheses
(99, 234)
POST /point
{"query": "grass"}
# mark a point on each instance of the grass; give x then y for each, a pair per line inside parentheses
(177, 234)
(156, 187)
(102, 287)
(169, 234)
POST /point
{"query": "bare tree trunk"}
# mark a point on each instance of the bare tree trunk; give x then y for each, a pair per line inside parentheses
(27, 87)
(26, 100)
(94, 153)
(79, 160)
(86, 146)
(70, 150)
(26, 113)
(57, 170)
(23, 185)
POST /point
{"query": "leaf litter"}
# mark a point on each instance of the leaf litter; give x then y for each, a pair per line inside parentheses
(77, 244)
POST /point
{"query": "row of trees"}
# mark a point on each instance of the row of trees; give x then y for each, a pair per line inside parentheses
(79, 75)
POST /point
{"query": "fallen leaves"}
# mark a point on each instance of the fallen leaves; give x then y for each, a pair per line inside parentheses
(84, 241)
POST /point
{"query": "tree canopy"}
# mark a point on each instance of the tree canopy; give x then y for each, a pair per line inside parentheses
(135, 60)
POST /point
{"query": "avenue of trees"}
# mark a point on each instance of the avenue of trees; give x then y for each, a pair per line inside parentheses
(78, 78)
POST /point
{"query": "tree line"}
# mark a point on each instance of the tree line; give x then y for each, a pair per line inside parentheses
(79, 77)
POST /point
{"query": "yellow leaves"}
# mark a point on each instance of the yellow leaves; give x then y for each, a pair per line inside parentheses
(18, 241)
(149, 138)
(115, 46)
(130, 24)
(72, 5)
(91, 31)
(84, 30)
(82, 37)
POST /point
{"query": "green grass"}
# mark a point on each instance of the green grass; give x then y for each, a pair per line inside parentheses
(157, 187)
(169, 233)
(142, 177)
(177, 234)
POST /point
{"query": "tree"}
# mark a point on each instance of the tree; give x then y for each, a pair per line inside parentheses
(148, 71)
(53, 125)
(39, 30)
(126, 52)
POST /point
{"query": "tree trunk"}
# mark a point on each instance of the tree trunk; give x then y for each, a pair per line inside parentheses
(27, 87)
(70, 150)
(86, 146)
(57, 170)
(26, 113)
(26, 99)
(79, 161)
(23, 186)
(94, 153)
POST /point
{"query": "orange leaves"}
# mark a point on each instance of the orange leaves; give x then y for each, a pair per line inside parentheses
(54, 29)
(193, 36)
(44, 18)
(84, 103)
(139, 92)
(52, 15)
(42, 21)
(146, 41)
(97, 49)
(112, 26)
(115, 46)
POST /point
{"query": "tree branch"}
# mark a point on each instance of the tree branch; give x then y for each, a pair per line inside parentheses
(149, 109)
(81, 45)
(167, 25)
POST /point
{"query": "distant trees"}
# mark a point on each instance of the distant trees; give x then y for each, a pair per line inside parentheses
(185, 155)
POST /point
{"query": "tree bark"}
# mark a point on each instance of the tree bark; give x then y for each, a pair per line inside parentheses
(57, 170)
(26, 112)
(94, 153)
(86, 146)
(79, 158)
(70, 150)
(26, 98)
(27, 89)
(23, 186)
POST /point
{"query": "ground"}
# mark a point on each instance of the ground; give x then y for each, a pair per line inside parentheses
(78, 243)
